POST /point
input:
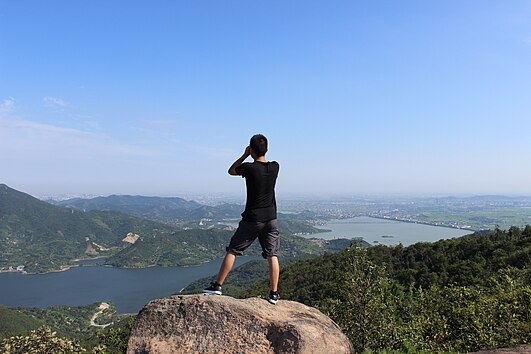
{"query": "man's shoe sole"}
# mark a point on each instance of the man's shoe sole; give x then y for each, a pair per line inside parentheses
(271, 301)
(216, 292)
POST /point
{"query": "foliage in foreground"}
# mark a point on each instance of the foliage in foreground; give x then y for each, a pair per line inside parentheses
(43, 341)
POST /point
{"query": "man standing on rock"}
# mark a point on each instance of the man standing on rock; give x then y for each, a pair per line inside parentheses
(259, 220)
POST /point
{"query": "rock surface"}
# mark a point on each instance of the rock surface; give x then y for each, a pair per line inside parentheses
(220, 324)
(518, 349)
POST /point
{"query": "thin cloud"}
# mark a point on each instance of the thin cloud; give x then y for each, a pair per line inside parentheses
(54, 102)
(29, 139)
(7, 105)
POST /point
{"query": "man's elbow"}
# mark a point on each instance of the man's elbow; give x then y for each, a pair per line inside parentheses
(232, 172)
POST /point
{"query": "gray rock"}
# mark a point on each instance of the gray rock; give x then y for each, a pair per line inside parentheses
(220, 324)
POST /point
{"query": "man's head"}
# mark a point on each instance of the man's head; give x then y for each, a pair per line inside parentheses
(258, 145)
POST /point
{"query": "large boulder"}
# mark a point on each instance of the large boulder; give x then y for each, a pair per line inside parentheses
(220, 324)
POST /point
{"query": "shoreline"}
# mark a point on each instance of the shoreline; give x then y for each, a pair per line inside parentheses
(65, 268)
(428, 223)
(62, 269)
(423, 223)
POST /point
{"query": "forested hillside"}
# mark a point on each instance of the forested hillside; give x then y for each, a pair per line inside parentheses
(452, 295)
(189, 247)
(44, 237)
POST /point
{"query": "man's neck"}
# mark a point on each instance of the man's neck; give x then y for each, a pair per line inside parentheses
(260, 159)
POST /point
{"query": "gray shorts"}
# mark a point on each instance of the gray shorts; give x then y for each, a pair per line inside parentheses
(248, 231)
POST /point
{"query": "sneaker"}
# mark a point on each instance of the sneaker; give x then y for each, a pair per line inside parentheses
(273, 297)
(214, 288)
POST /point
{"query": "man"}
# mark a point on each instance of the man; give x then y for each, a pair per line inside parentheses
(259, 220)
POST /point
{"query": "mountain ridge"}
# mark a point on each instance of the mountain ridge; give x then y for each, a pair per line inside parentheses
(163, 209)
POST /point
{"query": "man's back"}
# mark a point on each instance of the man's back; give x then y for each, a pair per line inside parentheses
(260, 178)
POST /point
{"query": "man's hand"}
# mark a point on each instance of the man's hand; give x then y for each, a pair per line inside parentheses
(246, 154)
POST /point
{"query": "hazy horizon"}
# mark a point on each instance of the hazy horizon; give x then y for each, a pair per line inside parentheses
(239, 196)
(356, 98)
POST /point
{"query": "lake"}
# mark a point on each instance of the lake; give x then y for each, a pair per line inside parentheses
(128, 289)
(394, 232)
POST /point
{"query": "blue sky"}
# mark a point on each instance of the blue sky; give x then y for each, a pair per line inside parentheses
(160, 97)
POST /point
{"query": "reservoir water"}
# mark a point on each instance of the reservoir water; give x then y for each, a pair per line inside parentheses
(387, 232)
(128, 289)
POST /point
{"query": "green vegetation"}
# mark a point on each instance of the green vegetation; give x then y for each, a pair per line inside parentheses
(113, 339)
(297, 227)
(154, 208)
(15, 322)
(44, 340)
(253, 272)
(190, 247)
(187, 247)
(452, 295)
(72, 325)
(170, 210)
(239, 279)
(41, 341)
(69, 321)
(43, 237)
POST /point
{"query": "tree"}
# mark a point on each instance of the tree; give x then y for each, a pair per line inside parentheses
(362, 306)
(41, 341)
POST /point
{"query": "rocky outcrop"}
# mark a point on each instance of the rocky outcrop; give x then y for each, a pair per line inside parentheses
(130, 238)
(220, 324)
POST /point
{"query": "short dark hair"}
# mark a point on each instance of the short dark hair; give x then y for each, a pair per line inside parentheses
(259, 144)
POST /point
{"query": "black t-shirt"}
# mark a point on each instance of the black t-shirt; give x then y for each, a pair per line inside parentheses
(260, 178)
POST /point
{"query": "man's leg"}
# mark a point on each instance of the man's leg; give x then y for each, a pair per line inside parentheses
(274, 272)
(270, 242)
(243, 237)
(225, 267)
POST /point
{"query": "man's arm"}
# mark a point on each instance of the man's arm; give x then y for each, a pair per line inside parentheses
(237, 163)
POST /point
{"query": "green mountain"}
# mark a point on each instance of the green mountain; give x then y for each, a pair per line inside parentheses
(166, 209)
(44, 237)
(153, 208)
